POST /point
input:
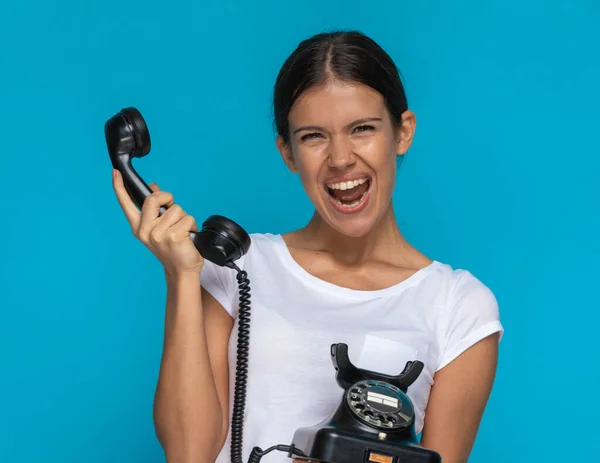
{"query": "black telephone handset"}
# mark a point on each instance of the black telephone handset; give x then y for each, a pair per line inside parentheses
(374, 422)
(220, 240)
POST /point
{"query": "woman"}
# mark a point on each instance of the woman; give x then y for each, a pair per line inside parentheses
(347, 276)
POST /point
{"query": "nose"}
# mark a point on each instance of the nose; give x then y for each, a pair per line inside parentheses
(340, 154)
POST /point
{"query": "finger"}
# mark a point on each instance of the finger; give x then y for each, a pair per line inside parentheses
(154, 187)
(181, 230)
(150, 211)
(129, 208)
(189, 223)
(171, 216)
(177, 232)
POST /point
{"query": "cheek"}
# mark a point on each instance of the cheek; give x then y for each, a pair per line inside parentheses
(311, 155)
(366, 145)
(309, 159)
(378, 152)
(308, 168)
(374, 146)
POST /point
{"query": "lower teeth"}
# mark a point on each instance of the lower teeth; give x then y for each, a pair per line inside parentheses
(355, 203)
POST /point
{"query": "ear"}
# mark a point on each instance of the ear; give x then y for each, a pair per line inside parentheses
(286, 153)
(406, 132)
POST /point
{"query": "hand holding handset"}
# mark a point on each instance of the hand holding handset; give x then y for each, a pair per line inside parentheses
(220, 240)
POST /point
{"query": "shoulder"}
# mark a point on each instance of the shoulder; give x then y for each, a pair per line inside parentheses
(221, 282)
(470, 293)
(263, 240)
(262, 245)
(460, 286)
(469, 313)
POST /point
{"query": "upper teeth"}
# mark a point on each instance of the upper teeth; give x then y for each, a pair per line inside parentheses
(346, 185)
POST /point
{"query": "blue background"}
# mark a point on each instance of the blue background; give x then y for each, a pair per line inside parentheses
(501, 179)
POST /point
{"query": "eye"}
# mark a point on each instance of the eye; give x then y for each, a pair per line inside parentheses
(363, 128)
(310, 136)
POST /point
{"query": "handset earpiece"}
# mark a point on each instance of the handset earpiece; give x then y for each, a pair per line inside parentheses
(219, 240)
(127, 137)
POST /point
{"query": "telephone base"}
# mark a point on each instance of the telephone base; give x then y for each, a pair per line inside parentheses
(333, 445)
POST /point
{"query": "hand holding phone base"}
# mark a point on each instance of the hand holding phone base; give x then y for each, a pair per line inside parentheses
(374, 421)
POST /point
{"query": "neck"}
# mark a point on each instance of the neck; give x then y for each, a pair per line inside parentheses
(376, 244)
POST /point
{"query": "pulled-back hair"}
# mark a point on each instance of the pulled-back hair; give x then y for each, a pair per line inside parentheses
(346, 56)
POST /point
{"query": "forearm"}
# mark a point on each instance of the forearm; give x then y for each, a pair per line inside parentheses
(187, 412)
(462, 388)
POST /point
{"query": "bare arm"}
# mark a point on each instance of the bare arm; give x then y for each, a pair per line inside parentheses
(190, 408)
(190, 404)
(458, 399)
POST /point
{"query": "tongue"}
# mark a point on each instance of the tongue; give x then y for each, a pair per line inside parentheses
(351, 195)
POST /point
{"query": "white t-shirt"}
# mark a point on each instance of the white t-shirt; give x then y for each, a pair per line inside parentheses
(433, 316)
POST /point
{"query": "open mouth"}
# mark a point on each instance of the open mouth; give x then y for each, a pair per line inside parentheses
(351, 195)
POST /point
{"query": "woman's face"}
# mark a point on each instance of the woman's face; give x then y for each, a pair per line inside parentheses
(344, 146)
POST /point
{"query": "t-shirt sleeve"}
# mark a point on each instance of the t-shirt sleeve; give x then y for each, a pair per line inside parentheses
(472, 315)
(220, 283)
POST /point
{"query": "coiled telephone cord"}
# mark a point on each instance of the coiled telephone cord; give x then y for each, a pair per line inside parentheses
(241, 379)
(241, 371)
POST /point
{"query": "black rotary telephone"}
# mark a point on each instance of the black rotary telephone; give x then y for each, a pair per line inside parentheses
(374, 422)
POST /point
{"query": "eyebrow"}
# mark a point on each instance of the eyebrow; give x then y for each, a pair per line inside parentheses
(357, 122)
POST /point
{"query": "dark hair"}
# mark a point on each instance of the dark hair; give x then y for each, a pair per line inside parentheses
(348, 56)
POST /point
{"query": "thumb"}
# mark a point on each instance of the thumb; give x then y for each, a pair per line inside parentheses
(154, 187)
